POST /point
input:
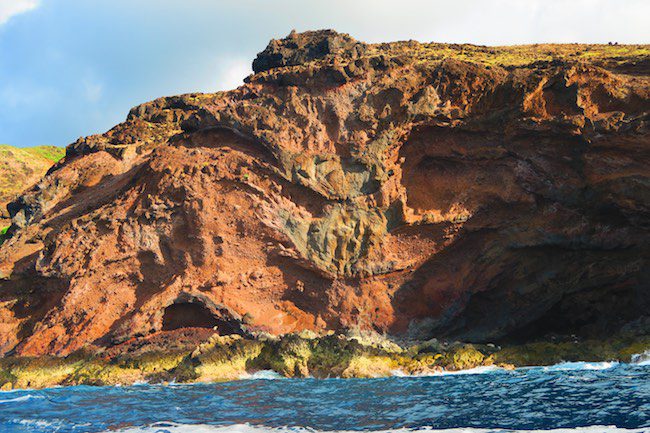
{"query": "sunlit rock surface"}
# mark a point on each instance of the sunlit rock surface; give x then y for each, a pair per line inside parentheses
(421, 190)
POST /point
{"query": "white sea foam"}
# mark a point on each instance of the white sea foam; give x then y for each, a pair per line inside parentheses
(21, 398)
(475, 370)
(12, 391)
(581, 366)
(641, 358)
(38, 423)
(168, 427)
(262, 374)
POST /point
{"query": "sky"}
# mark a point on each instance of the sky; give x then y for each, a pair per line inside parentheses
(71, 68)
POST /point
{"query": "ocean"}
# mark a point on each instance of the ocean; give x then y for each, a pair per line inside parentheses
(570, 397)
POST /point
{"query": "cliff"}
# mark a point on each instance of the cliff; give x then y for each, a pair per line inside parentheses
(422, 190)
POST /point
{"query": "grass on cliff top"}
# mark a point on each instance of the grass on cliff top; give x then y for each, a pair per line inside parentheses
(518, 55)
(24, 154)
(21, 167)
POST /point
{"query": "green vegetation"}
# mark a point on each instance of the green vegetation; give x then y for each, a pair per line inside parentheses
(545, 353)
(26, 154)
(300, 355)
(51, 153)
(516, 55)
(22, 167)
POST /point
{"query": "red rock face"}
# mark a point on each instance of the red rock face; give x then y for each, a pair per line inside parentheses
(422, 190)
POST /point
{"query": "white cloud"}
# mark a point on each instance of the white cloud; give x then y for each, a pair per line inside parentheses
(489, 22)
(92, 90)
(9, 8)
(231, 72)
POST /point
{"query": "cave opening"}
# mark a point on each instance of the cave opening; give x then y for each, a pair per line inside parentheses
(194, 315)
(588, 314)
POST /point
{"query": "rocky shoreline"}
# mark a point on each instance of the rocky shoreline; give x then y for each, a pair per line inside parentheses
(351, 355)
(418, 190)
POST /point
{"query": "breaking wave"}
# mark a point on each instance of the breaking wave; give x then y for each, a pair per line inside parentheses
(641, 358)
(263, 375)
(21, 398)
(582, 366)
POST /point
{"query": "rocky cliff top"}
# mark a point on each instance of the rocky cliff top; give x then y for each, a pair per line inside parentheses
(418, 189)
(301, 48)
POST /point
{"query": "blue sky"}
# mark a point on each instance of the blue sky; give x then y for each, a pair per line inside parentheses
(70, 68)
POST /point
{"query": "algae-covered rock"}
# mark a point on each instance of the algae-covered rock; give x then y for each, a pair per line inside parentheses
(463, 357)
(328, 356)
(7, 379)
(368, 366)
(373, 339)
(225, 358)
(300, 355)
(153, 362)
(99, 372)
(37, 372)
(619, 348)
(289, 356)
(332, 355)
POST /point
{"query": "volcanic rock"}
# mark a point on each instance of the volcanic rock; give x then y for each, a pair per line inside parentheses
(422, 190)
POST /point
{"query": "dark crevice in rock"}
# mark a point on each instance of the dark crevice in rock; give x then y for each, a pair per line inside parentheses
(194, 315)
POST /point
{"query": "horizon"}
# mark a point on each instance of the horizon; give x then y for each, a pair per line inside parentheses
(73, 69)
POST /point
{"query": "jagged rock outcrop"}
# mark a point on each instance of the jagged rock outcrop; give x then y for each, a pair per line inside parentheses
(419, 189)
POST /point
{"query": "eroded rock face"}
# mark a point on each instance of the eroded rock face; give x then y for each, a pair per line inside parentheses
(418, 189)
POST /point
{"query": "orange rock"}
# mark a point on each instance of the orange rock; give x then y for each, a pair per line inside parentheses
(420, 189)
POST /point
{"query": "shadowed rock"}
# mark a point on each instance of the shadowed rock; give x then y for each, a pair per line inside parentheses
(422, 190)
(301, 48)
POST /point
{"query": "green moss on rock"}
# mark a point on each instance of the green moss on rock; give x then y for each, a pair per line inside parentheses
(620, 348)
(300, 355)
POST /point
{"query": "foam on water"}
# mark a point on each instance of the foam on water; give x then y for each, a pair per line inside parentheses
(475, 370)
(641, 358)
(39, 423)
(263, 375)
(166, 427)
(581, 366)
(21, 398)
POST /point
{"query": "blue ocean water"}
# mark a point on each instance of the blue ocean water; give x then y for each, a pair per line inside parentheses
(572, 397)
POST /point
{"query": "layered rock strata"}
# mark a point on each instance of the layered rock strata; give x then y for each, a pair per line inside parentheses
(421, 190)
